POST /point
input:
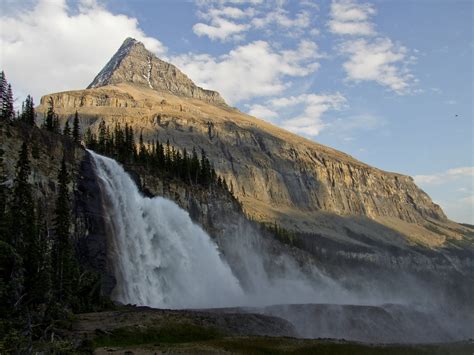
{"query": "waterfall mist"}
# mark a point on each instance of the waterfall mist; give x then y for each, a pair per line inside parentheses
(162, 259)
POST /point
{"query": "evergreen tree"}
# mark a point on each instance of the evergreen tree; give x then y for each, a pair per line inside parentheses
(22, 207)
(63, 265)
(3, 200)
(90, 139)
(3, 92)
(28, 113)
(8, 112)
(67, 130)
(51, 119)
(194, 167)
(76, 134)
(102, 137)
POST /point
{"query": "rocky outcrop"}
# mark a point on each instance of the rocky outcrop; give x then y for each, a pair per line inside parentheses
(134, 64)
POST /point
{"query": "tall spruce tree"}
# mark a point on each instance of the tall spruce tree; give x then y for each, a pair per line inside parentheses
(22, 206)
(51, 122)
(67, 130)
(76, 131)
(62, 253)
(28, 113)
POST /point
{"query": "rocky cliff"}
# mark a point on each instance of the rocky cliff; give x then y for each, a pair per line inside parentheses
(278, 176)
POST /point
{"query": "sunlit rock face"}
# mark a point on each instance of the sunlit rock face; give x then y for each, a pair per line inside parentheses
(278, 176)
(133, 63)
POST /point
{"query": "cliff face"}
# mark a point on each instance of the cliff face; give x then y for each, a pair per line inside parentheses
(276, 175)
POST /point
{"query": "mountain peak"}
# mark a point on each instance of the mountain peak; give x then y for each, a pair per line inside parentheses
(136, 65)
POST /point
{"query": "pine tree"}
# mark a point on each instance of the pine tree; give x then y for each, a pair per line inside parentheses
(67, 130)
(8, 111)
(22, 207)
(51, 120)
(194, 167)
(3, 92)
(102, 137)
(62, 254)
(3, 200)
(28, 113)
(76, 132)
(90, 139)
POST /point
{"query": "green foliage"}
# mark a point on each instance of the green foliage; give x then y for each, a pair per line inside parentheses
(28, 111)
(51, 120)
(41, 282)
(67, 130)
(170, 333)
(162, 160)
(63, 254)
(76, 131)
(280, 233)
(7, 112)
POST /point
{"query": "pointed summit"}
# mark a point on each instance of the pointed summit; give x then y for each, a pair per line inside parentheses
(134, 64)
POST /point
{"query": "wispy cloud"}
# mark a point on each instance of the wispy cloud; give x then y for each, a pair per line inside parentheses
(226, 23)
(370, 55)
(302, 114)
(446, 176)
(252, 70)
(351, 18)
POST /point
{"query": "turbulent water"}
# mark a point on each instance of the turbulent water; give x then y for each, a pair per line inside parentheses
(162, 259)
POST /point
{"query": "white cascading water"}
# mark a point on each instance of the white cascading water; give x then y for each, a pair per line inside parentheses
(162, 259)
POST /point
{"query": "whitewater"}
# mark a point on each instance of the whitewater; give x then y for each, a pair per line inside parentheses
(162, 259)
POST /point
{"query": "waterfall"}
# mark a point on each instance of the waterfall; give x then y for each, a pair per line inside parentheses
(161, 258)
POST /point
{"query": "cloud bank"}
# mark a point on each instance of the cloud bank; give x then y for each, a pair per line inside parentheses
(54, 47)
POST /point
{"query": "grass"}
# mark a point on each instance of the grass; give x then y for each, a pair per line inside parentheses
(190, 338)
(170, 333)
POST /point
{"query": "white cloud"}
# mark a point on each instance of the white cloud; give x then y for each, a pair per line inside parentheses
(446, 176)
(232, 22)
(380, 60)
(262, 112)
(220, 29)
(251, 70)
(280, 18)
(351, 18)
(48, 43)
(309, 121)
(302, 114)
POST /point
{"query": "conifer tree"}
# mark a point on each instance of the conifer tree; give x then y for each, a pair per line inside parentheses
(51, 120)
(76, 134)
(102, 137)
(63, 266)
(194, 167)
(3, 91)
(3, 200)
(28, 113)
(22, 207)
(67, 130)
(8, 113)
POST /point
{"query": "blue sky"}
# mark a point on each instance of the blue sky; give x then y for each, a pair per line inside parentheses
(389, 82)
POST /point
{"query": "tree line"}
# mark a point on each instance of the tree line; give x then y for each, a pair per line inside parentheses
(157, 158)
(28, 114)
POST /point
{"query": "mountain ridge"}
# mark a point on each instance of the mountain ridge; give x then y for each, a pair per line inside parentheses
(277, 175)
